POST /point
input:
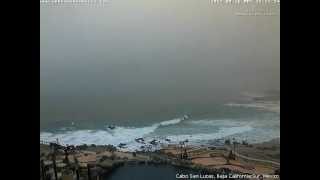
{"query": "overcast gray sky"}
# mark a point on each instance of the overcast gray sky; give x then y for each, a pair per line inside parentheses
(136, 57)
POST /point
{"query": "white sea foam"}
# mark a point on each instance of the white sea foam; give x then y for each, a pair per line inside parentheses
(222, 132)
(249, 129)
(128, 135)
(171, 122)
(102, 137)
(98, 137)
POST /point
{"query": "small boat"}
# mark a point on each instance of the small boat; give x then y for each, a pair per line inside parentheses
(111, 127)
(185, 117)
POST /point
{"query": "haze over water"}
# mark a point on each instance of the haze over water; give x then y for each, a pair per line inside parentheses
(138, 63)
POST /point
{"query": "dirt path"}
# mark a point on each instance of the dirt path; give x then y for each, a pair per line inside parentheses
(241, 156)
(254, 159)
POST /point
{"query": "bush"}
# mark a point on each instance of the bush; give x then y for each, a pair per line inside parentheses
(245, 143)
(111, 148)
(227, 142)
(83, 147)
(231, 156)
(103, 158)
(113, 156)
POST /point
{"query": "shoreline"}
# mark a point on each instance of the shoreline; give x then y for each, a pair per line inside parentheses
(208, 159)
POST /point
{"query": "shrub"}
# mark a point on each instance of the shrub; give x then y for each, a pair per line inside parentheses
(113, 156)
(227, 142)
(83, 147)
(103, 158)
(111, 148)
(245, 143)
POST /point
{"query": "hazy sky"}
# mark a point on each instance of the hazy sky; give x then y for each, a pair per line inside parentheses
(136, 57)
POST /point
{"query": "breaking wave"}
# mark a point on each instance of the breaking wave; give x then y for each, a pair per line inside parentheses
(222, 133)
(127, 135)
(107, 136)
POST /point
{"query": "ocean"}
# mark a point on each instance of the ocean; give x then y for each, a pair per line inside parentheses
(252, 121)
(141, 66)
